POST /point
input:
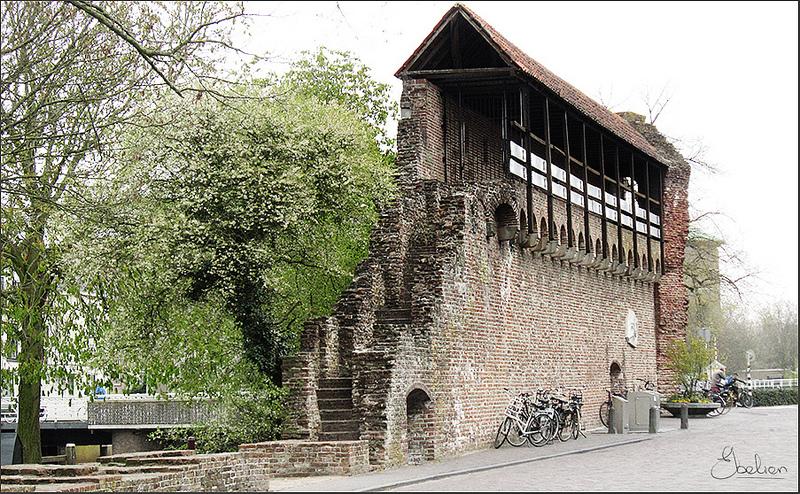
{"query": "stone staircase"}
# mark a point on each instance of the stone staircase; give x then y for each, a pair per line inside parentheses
(335, 401)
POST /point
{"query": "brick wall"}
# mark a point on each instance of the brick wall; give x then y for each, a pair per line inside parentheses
(442, 308)
(672, 299)
(302, 458)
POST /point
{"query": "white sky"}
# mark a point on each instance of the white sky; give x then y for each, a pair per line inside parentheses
(730, 69)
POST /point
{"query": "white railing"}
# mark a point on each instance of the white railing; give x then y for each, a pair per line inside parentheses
(774, 383)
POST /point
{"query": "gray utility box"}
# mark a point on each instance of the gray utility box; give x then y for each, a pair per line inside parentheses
(640, 404)
(622, 414)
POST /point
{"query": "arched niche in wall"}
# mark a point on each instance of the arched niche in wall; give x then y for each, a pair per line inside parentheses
(506, 223)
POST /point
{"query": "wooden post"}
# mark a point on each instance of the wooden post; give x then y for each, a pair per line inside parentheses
(604, 219)
(684, 416)
(620, 253)
(462, 129)
(634, 205)
(661, 218)
(570, 240)
(526, 124)
(586, 236)
(647, 213)
(550, 226)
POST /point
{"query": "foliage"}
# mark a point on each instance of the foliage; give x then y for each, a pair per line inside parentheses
(232, 228)
(249, 417)
(338, 77)
(703, 282)
(771, 333)
(690, 398)
(70, 84)
(689, 360)
(767, 397)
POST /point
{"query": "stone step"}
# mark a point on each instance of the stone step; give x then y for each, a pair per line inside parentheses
(334, 393)
(125, 470)
(123, 457)
(37, 479)
(164, 460)
(339, 426)
(335, 404)
(345, 414)
(338, 436)
(48, 470)
(335, 382)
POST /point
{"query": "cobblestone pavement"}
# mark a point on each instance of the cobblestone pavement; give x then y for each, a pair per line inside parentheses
(678, 460)
(475, 460)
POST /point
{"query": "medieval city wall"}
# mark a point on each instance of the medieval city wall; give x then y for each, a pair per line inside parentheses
(510, 318)
(442, 316)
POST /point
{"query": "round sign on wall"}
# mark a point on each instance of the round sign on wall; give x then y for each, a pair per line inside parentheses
(631, 328)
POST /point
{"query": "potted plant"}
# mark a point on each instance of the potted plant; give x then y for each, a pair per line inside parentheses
(689, 360)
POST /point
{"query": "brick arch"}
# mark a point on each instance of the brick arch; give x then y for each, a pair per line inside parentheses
(563, 236)
(598, 248)
(616, 374)
(499, 196)
(543, 231)
(420, 425)
(614, 255)
(582, 242)
(506, 222)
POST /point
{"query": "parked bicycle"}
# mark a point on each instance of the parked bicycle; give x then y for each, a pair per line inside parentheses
(526, 418)
(618, 390)
(570, 423)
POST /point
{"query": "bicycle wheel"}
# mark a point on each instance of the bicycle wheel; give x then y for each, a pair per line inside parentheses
(730, 402)
(746, 399)
(515, 437)
(576, 424)
(565, 431)
(555, 426)
(541, 427)
(720, 409)
(604, 413)
(502, 433)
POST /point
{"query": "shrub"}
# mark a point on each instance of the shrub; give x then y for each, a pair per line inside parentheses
(689, 360)
(767, 397)
(245, 418)
(693, 398)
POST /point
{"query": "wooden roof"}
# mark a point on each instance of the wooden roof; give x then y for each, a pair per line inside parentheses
(513, 57)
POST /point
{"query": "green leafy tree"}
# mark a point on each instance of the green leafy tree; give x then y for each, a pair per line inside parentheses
(339, 77)
(689, 361)
(251, 214)
(75, 74)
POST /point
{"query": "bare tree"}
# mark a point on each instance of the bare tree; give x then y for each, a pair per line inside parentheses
(73, 75)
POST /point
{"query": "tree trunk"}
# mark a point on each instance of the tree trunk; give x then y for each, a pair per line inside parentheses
(34, 281)
(28, 430)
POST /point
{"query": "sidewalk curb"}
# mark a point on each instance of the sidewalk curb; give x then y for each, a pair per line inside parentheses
(465, 471)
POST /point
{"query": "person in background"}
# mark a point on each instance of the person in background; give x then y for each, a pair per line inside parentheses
(718, 379)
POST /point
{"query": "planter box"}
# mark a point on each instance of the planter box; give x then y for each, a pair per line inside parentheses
(695, 409)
